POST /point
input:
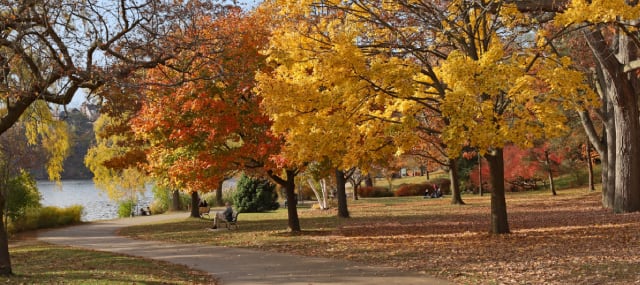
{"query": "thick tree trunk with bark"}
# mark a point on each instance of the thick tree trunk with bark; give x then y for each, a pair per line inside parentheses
(195, 200)
(456, 198)
(175, 201)
(341, 181)
(499, 223)
(621, 92)
(627, 185)
(289, 186)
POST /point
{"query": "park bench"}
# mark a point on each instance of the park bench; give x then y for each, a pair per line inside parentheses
(233, 222)
(204, 211)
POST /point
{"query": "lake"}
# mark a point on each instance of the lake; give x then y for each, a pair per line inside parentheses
(97, 205)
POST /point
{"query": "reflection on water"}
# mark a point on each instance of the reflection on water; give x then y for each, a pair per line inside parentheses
(97, 205)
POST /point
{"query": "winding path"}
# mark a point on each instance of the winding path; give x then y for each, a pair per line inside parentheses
(231, 265)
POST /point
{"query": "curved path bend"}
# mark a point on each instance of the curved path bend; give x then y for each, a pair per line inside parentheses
(231, 265)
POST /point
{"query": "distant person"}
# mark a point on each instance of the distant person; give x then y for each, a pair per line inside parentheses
(437, 193)
(145, 211)
(203, 203)
(226, 215)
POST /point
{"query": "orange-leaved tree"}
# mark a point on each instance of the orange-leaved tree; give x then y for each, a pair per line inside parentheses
(200, 116)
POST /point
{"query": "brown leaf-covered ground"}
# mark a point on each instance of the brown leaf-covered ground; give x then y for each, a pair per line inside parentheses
(566, 239)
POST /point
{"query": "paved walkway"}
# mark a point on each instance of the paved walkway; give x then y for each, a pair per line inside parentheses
(240, 266)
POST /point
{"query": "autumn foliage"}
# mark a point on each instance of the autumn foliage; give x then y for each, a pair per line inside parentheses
(201, 117)
(520, 164)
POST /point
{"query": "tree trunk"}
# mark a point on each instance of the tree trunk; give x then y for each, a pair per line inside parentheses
(456, 198)
(219, 201)
(341, 181)
(356, 186)
(368, 181)
(175, 201)
(480, 174)
(427, 170)
(499, 223)
(627, 182)
(547, 162)
(289, 186)
(5, 258)
(195, 200)
(621, 92)
(592, 186)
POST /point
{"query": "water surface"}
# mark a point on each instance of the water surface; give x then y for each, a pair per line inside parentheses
(97, 205)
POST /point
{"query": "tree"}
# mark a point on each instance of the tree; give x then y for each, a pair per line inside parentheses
(37, 126)
(617, 83)
(120, 182)
(51, 49)
(316, 100)
(468, 75)
(605, 27)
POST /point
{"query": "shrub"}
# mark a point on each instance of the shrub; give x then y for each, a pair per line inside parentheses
(255, 195)
(161, 199)
(47, 217)
(412, 189)
(23, 193)
(125, 208)
(374, 191)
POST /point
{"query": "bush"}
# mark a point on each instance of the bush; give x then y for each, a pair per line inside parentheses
(413, 189)
(374, 191)
(47, 217)
(22, 195)
(255, 195)
(161, 199)
(125, 208)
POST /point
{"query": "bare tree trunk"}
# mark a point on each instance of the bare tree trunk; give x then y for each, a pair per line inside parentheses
(499, 222)
(592, 186)
(195, 199)
(550, 173)
(341, 181)
(604, 144)
(368, 181)
(356, 186)
(427, 170)
(456, 198)
(480, 174)
(175, 201)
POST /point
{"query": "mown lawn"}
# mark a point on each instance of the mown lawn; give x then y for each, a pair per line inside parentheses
(35, 262)
(566, 239)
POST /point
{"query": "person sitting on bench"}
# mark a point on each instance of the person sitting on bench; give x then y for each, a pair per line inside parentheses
(226, 215)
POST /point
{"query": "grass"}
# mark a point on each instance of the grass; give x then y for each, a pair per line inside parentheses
(555, 240)
(40, 263)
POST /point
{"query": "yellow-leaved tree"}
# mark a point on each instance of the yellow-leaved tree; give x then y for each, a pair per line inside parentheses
(469, 73)
(120, 183)
(318, 101)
